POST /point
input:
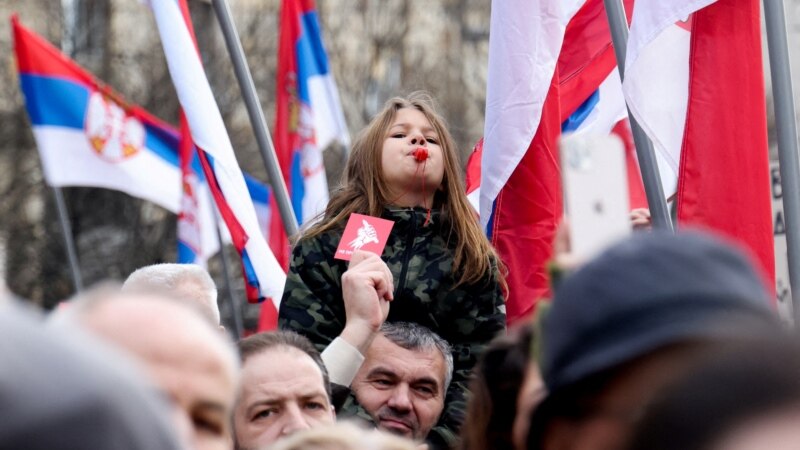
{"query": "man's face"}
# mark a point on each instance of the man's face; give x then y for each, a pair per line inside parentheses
(186, 360)
(282, 391)
(403, 390)
(202, 390)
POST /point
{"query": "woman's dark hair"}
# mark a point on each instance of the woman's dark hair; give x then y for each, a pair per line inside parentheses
(497, 379)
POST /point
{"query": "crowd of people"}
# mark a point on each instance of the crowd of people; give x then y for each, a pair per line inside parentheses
(661, 341)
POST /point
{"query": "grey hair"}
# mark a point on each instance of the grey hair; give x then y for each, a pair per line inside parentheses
(413, 336)
(187, 282)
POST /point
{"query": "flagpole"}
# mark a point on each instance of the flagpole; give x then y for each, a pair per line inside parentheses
(70, 9)
(66, 230)
(256, 115)
(645, 152)
(236, 312)
(783, 96)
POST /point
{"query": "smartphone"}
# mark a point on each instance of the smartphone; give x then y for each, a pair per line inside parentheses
(594, 177)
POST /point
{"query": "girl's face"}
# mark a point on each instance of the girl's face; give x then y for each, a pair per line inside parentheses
(412, 182)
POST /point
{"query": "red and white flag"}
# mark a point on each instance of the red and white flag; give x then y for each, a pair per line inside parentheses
(551, 69)
(524, 46)
(520, 189)
(694, 81)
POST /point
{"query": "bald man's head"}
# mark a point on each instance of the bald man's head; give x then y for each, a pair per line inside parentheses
(186, 357)
(184, 282)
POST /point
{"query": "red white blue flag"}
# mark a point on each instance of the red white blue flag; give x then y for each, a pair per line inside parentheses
(190, 249)
(263, 276)
(551, 70)
(88, 135)
(308, 114)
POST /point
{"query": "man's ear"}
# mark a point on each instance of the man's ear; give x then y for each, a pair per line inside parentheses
(333, 412)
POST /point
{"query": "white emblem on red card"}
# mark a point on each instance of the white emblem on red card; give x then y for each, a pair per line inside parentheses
(364, 233)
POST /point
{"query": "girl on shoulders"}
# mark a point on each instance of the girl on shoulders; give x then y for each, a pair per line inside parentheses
(403, 167)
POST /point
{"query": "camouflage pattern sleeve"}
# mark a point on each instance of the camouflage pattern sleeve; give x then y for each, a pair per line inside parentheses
(480, 316)
(312, 302)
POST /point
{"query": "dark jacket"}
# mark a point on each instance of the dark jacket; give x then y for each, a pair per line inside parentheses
(421, 261)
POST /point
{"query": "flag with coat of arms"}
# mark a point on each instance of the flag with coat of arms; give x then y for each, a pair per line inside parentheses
(308, 115)
(88, 135)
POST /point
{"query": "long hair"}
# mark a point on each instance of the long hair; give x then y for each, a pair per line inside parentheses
(364, 190)
(495, 387)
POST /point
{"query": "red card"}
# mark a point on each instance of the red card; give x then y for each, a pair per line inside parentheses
(363, 233)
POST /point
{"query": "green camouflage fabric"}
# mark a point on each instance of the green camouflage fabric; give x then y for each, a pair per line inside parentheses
(421, 260)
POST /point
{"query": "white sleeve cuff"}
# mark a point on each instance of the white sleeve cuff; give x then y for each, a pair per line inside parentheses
(342, 361)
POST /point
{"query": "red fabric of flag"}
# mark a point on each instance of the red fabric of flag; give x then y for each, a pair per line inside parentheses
(587, 56)
(286, 138)
(527, 212)
(724, 169)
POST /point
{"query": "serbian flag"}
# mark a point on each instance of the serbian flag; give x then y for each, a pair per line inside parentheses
(308, 115)
(88, 135)
(694, 82)
(604, 113)
(260, 194)
(190, 249)
(263, 276)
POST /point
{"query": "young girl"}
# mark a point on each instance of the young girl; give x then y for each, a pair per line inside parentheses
(403, 167)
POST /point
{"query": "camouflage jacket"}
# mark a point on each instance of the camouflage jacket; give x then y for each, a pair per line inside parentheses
(421, 260)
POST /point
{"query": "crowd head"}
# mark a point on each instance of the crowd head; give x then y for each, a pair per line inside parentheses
(61, 389)
(504, 385)
(189, 283)
(185, 357)
(343, 436)
(629, 322)
(403, 380)
(657, 343)
(284, 389)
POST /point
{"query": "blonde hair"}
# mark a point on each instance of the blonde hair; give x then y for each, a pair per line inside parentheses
(364, 190)
(343, 436)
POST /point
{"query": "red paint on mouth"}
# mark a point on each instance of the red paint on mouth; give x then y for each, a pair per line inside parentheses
(421, 154)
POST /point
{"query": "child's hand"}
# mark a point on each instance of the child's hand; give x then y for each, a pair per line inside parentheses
(367, 289)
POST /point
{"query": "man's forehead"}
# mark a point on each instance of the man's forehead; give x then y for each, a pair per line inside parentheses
(173, 335)
(276, 392)
(280, 374)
